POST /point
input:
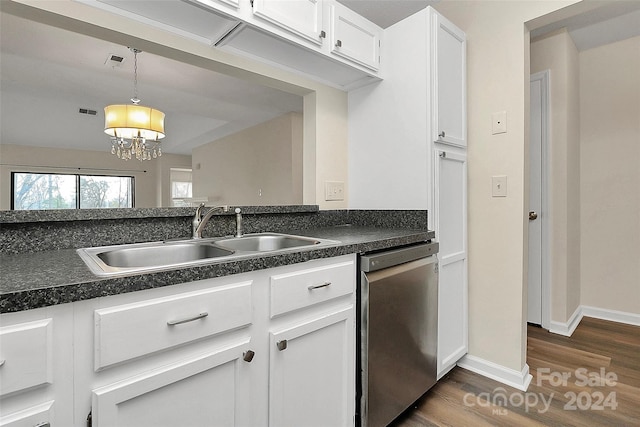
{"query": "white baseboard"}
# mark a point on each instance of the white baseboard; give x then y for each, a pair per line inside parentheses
(508, 376)
(567, 329)
(570, 326)
(612, 315)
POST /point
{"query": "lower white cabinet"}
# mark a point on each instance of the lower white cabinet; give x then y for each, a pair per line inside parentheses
(311, 372)
(36, 387)
(270, 347)
(211, 389)
(450, 218)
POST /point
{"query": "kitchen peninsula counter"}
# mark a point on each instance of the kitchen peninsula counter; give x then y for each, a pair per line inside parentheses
(31, 280)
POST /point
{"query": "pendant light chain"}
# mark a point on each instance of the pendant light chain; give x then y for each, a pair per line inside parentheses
(135, 98)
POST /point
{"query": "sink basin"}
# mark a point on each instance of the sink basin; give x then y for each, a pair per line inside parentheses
(163, 254)
(155, 256)
(266, 242)
(149, 256)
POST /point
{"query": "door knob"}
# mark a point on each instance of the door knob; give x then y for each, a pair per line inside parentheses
(532, 215)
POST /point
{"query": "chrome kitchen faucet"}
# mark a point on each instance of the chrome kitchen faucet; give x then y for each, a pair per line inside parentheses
(200, 220)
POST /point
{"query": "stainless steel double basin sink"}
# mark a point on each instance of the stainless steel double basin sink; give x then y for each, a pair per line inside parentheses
(154, 256)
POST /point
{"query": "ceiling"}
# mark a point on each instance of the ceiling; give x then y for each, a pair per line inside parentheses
(49, 73)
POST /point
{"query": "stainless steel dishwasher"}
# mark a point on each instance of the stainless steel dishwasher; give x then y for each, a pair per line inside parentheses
(398, 300)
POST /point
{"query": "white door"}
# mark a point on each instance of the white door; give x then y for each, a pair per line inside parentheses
(536, 210)
(312, 372)
(451, 232)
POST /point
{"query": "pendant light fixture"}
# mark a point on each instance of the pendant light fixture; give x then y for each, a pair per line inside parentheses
(135, 130)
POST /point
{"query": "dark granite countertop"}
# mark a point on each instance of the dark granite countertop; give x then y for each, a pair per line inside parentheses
(40, 279)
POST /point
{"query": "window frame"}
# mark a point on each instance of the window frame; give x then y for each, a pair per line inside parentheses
(78, 191)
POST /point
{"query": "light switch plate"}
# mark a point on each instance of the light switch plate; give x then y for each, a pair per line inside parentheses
(499, 186)
(499, 122)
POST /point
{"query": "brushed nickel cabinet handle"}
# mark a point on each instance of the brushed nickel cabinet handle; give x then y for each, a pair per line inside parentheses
(323, 34)
(187, 319)
(321, 285)
(282, 345)
(338, 43)
(247, 356)
(2, 362)
(45, 424)
(441, 134)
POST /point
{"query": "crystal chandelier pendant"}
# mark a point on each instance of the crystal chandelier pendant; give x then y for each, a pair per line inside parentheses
(134, 128)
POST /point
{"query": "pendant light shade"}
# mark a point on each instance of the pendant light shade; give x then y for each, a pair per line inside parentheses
(130, 121)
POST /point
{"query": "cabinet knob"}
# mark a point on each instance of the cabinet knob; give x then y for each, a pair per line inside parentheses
(533, 216)
(441, 134)
(338, 43)
(247, 356)
(282, 345)
(323, 34)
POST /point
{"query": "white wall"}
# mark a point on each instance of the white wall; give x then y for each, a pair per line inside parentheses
(557, 53)
(148, 175)
(610, 172)
(260, 165)
(388, 153)
(498, 80)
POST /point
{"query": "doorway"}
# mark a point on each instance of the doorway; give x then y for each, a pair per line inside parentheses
(539, 288)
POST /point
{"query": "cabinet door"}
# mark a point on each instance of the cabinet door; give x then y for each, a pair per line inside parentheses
(355, 38)
(312, 372)
(451, 231)
(450, 82)
(302, 17)
(209, 390)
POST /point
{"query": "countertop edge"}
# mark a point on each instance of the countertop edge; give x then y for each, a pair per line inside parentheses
(96, 287)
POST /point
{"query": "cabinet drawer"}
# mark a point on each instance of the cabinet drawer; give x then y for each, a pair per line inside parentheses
(292, 291)
(132, 330)
(25, 356)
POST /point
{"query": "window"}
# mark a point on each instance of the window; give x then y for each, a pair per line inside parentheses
(181, 187)
(65, 191)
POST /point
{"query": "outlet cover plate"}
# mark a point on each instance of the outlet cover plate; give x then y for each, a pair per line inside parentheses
(333, 190)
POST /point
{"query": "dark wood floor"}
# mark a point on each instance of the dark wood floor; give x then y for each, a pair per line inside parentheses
(601, 366)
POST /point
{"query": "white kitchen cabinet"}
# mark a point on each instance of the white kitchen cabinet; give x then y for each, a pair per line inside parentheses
(450, 219)
(449, 80)
(302, 17)
(212, 389)
(395, 123)
(311, 345)
(354, 38)
(35, 376)
(207, 352)
(311, 376)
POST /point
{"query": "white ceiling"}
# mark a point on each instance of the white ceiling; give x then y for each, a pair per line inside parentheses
(385, 13)
(48, 73)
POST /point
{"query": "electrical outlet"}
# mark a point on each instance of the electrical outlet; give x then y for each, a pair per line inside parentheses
(334, 190)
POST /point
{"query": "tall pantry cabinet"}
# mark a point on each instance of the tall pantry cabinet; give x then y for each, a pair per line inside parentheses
(407, 150)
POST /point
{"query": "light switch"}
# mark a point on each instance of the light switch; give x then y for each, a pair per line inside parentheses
(499, 122)
(499, 186)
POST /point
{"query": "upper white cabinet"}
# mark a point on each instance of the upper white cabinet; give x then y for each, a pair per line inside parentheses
(354, 38)
(320, 38)
(301, 17)
(449, 78)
